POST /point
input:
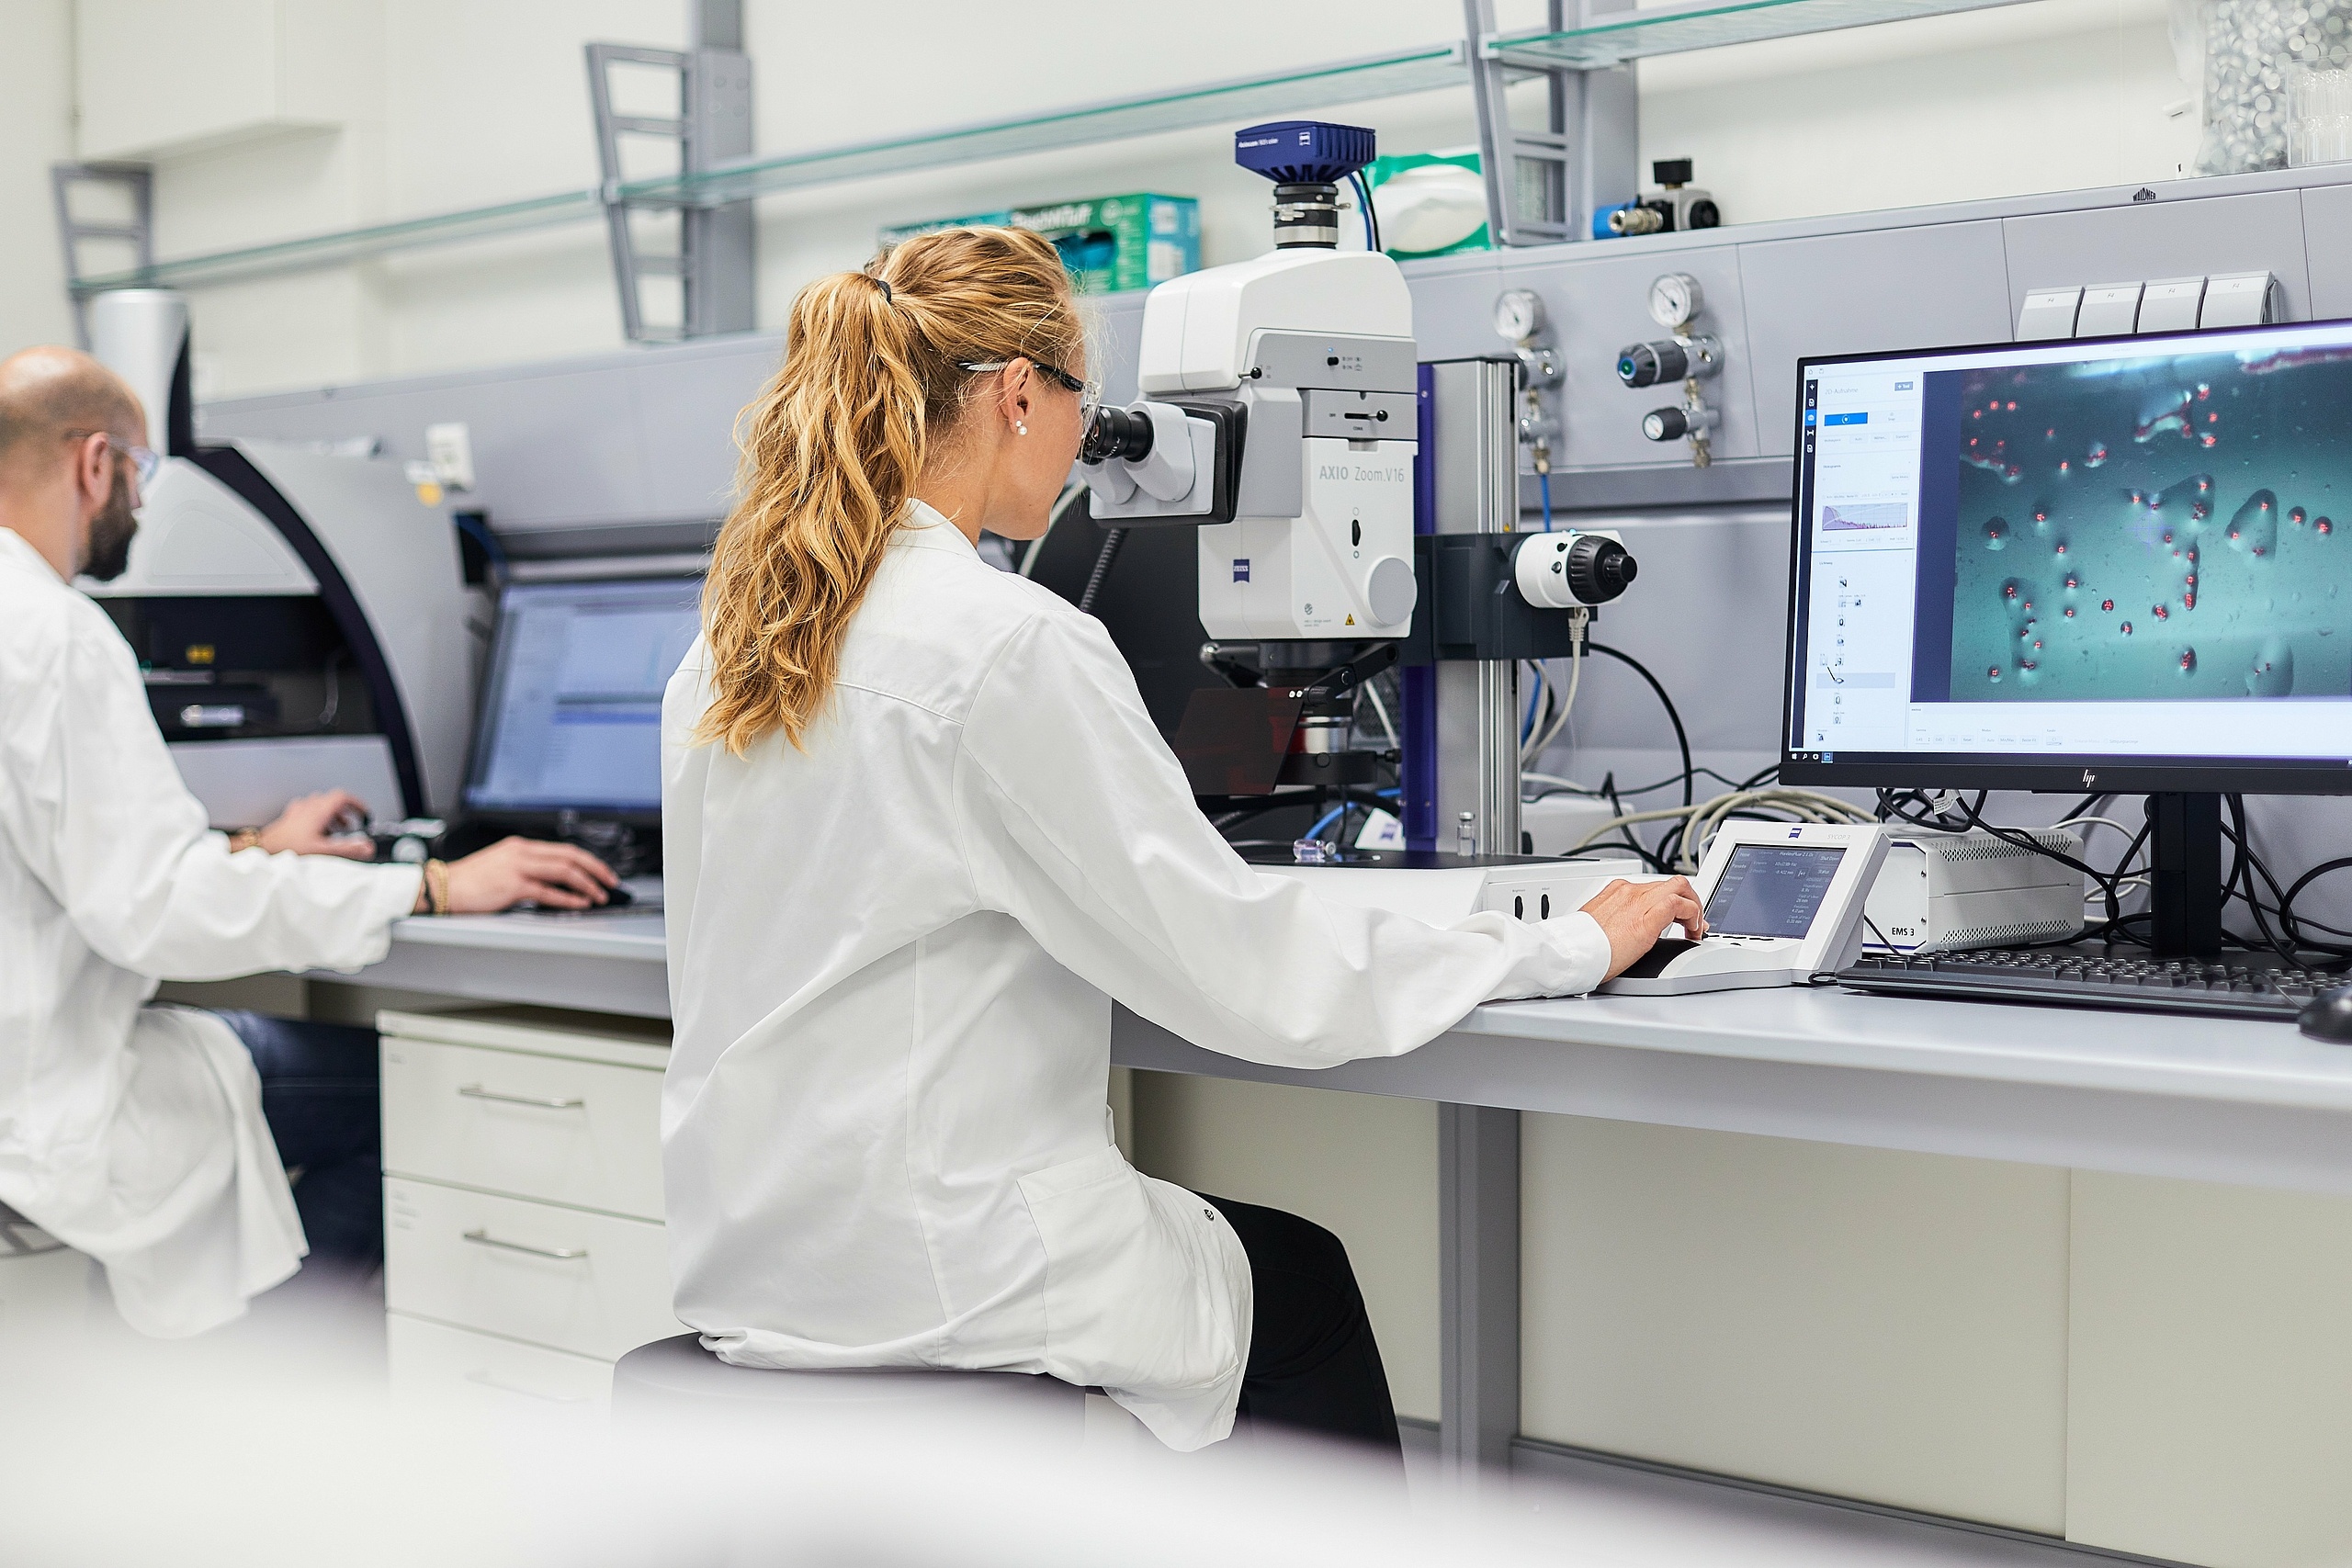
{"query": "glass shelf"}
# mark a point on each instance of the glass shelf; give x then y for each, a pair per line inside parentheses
(349, 244)
(1629, 36)
(1282, 93)
(1638, 35)
(1287, 93)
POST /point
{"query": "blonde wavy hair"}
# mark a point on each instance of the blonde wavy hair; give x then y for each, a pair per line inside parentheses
(868, 392)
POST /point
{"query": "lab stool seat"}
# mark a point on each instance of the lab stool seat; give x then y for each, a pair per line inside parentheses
(676, 1380)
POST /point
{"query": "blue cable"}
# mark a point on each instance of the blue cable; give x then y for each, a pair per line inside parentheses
(1363, 194)
(1527, 721)
(1544, 489)
(1336, 812)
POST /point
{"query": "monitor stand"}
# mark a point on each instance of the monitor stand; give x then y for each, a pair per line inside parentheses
(2185, 858)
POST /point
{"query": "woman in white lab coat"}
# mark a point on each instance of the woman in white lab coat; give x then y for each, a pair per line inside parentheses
(920, 834)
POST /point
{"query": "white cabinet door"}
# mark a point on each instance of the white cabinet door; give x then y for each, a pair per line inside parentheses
(594, 1284)
(584, 1134)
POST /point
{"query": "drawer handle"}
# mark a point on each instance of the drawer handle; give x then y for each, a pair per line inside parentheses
(475, 1091)
(562, 1253)
(484, 1380)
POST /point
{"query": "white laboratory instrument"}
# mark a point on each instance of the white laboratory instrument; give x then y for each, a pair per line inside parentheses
(1443, 889)
(1948, 892)
(1783, 902)
(298, 614)
(1279, 415)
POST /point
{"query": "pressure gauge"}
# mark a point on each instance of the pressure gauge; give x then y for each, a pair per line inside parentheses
(1674, 299)
(1519, 314)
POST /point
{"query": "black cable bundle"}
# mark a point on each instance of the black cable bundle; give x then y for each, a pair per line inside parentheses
(1112, 539)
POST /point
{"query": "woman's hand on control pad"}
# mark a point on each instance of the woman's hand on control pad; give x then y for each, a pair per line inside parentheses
(1635, 914)
(554, 876)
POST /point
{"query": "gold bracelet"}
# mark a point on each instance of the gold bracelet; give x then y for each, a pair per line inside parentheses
(437, 884)
(244, 838)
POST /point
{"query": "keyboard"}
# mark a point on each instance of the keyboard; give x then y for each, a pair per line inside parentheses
(2245, 985)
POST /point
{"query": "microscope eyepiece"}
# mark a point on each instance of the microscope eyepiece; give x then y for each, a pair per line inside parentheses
(1116, 432)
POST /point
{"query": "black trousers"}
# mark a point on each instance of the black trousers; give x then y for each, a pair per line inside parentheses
(321, 1093)
(1314, 1366)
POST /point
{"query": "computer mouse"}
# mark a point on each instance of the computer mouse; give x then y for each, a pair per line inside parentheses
(618, 897)
(2328, 1017)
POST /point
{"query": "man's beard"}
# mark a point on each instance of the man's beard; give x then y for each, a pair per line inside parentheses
(108, 552)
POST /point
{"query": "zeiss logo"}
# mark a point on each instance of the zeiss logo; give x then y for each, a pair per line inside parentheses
(1241, 572)
(1795, 832)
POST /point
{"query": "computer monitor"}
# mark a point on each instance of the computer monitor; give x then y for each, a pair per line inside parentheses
(2104, 566)
(572, 711)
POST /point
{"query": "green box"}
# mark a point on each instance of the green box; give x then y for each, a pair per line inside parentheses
(1110, 244)
(891, 236)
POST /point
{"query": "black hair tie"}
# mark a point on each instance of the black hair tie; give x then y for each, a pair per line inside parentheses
(887, 297)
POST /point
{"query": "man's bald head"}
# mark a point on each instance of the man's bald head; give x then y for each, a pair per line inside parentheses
(44, 393)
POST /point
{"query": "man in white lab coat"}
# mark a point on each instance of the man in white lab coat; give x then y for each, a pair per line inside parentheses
(138, 1133)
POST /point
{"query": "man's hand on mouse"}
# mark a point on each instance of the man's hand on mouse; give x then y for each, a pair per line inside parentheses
(554, 876)
(328, 823)
(1635, 914)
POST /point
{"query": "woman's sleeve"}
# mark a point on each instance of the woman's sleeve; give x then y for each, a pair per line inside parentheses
(1078, 821)
(102, 817)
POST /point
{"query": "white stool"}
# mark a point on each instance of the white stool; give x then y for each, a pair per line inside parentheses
(677, 1380)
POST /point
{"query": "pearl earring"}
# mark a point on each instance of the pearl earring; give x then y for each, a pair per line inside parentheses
(1019, 428)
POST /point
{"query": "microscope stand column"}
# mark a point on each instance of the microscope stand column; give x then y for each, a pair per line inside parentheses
(1475, 490)
(1473, 454)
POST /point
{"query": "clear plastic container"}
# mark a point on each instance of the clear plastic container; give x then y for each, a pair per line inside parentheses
(2253, 119)
(2319, 115)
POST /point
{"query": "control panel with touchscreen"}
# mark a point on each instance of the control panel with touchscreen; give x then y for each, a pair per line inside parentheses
(1783, 902)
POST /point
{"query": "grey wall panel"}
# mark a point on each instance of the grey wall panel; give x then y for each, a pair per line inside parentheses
(684, 412)
(553, 445)
(1599, 297)
(2139, 241)
(1918, 287)
(2327, 235)
(1707, 616)
(1453, 310)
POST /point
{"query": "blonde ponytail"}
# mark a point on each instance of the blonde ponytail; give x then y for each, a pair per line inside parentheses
(832, 446)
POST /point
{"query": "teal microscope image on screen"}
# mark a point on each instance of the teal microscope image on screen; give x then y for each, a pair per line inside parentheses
(2163, 527)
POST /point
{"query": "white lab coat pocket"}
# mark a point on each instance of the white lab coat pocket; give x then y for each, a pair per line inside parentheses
(1140, 1291)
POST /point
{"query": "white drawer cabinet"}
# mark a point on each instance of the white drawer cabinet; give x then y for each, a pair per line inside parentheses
(553, 1128)
(524, 1250)
(434, 1363)
(594, 1284)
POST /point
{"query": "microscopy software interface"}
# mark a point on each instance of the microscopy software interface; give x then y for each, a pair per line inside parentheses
(572, 716)
(2105, 551)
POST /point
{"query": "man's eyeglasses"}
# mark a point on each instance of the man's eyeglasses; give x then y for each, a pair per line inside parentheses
(144, 460)
(1054, 373)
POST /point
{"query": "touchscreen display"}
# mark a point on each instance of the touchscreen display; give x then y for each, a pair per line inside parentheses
(1771, 890)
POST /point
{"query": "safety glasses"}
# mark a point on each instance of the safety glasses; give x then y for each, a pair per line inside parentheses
(1060, 377)
(144, 460)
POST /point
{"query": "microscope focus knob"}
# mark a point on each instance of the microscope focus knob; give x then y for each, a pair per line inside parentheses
(1391, 591)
